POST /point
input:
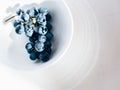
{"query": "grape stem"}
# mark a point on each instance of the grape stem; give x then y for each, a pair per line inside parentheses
(8, 19)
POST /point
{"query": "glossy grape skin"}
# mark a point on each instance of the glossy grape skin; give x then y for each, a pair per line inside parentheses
(42, 38)
(47, 44)
(49, 26)
(40, 18)
(29, 46)
(42, 30)
(33, 56)
(44, 11)
(44, 56)
(48, 50)
(32, 12)
(20, 12)
(19, 29)
(29, 30)
(34, 37)
(39, 46)
(49, 36)
(25, 17)
(16, 23)
(48, 17)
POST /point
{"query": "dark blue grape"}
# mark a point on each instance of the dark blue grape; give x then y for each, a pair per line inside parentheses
(16, 23)
(39, 46)
(49, 36)
(49, 26)
(29, 30)
(44, 56)
(47, 44)
(34, 37)
(33, 56)
(48, 50)
(42, 30)
(25, 17)
(19, 29)
(20, 12)
(44, 11)
(30, 51)
(40, 18)
(32, 12)
(31, 39)
(35, 34)
(42, 38)
(29, 46)
(48, 17)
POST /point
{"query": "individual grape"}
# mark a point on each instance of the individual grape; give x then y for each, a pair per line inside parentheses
(25, 17)
(42, 30)
(44, 11)
(19, 29)
(44, 56)
(48, 17)
(44, 24)
(42, 38)
(34, 37)
(40, 18)
(49, 26)
(48, 44)
(16, 23)
(48, 50)
(49, 36)
(39, 46)
(20, 12)
(31, 39)
(32, 12)
(30, 51)
(33, 56)
(29, 46)
(29, 30)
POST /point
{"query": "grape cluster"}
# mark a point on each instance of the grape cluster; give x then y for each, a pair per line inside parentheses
(35, 24)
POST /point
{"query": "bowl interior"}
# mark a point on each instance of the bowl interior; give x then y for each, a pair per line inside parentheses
(62, 30)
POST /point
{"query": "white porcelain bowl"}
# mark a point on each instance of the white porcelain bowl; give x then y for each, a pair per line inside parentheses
(76, 46)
